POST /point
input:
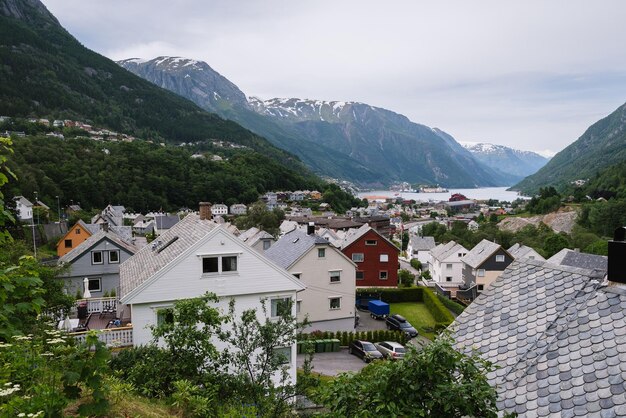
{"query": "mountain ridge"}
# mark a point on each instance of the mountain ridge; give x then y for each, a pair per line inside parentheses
(378, 145)
(513, 162)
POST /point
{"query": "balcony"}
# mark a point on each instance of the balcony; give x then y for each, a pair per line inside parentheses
(111, 337)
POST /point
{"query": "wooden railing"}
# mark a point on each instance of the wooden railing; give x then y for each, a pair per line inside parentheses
(99, 305)
(112, 337)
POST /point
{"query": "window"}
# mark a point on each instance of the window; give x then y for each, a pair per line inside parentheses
(335, 276)
(229, 263)
(165, 316)
(448, 278)
(114, 257)
(371, 242)
(449, 266)
(481, 287)
(283, 354)
(384, 258)
(68, 243)
(382, 275)
(280, 307)
(481, 272)
(321, 252)
(210, 265)
(77, 231)
(95, 284)
(360, 275)
(532, 257)
(358, 257)
(298, 306)
(334, 303)
(96, 257)
(267, 244)
(500, 258)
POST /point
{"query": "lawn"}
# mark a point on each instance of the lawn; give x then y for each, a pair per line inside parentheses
(418, 315)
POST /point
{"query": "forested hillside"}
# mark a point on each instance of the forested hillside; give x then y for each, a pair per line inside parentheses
(144, 176)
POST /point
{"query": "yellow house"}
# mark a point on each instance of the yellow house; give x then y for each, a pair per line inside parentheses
(315, 195)
(73, 238)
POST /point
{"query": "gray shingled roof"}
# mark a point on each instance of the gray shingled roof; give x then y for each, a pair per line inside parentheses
(149, 260)
(93, 240)
(443, 251)
(253, 235)
(291, 246)
(520, 251)
(558, 337)
(166, 221)
(422, 243)
(567, 257)
(483, 250)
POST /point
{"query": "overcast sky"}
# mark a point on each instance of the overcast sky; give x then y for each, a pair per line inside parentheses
(530, 74)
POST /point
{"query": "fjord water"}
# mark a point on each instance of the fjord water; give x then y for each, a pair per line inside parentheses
(482, 193)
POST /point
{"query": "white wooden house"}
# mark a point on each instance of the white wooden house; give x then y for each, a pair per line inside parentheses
(445, 263)
(197, 256)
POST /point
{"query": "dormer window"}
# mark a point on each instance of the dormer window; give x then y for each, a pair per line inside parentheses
(500, 258)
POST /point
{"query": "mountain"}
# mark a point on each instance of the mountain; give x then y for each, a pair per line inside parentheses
(46, 72)
(349, 140)
(516, 163)
(602, 145)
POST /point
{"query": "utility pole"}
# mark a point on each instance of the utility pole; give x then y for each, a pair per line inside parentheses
(59, 208)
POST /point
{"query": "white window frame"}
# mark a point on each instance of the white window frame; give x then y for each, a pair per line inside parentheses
(384, 258)
(157, 309)
(220, 270)
(330, 301)
(101, 257)
(371, 242)
(499, 258)
(380, 275)
(330, 276)
(118, 256)
(356, 259)
(287, 353)
(267, 244)
(98, 279)
(357, 275)
(278, 298)
(321, 252)
(448, 278)
(480, 273)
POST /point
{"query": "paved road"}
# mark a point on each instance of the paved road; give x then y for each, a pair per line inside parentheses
(331, 364)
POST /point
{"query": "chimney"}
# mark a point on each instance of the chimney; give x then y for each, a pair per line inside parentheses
(310, 229)
(205, 211)
(104, 226)
(617, 256)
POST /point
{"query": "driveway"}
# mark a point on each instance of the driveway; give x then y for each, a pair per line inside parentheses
(331, 364)
(367, 323)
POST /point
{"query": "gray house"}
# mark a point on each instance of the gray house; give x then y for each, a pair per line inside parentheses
(98, 259)
(484, 264)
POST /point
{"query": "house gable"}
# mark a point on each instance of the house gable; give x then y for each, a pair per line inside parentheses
(77, 234)
(183, 277)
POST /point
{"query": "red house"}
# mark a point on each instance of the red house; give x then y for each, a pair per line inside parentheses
(375, 256)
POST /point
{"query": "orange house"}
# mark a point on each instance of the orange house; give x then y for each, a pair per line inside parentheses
(73, 238)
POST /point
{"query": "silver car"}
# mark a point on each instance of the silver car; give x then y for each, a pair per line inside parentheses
(391, 350)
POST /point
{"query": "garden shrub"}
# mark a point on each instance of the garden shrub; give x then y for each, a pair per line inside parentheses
(439, 312)
(457, 308)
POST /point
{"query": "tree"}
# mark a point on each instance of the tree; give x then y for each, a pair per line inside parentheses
(416, 264)
(258, 216)
(436, 382)
(554, 244)
(406, 278)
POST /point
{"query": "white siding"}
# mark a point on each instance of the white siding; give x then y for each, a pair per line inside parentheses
(315, 274)
(144, 315)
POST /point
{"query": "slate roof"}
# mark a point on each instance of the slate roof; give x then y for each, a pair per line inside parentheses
(123, 232)
(290, 247)
(93, 240)
(520, 251)
(443, 251)
(483, 250)
(558, 337)
(149, 259)
(23, 201)
(166, 221)
(354, 234)
(422, 243)
(567, 257)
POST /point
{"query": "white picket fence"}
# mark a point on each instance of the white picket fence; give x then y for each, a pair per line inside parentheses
(112, 337)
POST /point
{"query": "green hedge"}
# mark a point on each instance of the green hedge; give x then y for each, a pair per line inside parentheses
(436, 308)
(392, 295)
(457, 308)
(346, 338)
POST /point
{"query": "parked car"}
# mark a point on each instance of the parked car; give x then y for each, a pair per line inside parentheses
(399, 323)
(365, 349)
(391, 350)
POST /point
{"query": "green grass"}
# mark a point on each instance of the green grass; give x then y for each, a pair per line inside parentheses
(418, 315)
